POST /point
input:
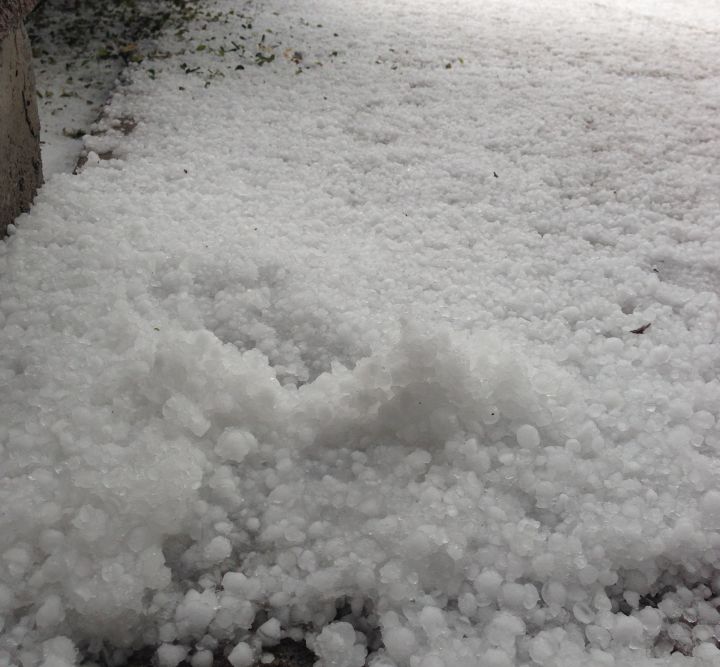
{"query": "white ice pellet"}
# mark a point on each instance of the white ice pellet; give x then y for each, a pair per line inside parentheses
(51, 540)
(504, 628)
(467, 604)
(527, 436)
(185, 412)
(632, 598)
(92, 160)
(432, 660)
(270, 632)
(196, 611)
(659, 354)
(627, 631)
(709, 653)
(680, 409)
(702, 420)
(598, 636)
(542, 649)
(171, 655)
(167, 633)
(495, 657)
(235, 445)
(601, 658)
(236, 582)
(680, 633)
(17, 560)
(710, 508)
(680, 436)
(242, 655)
(487, 584)
(554, 593)
(60, 647)
(707, 613)
(588, 575)
(531, 597)
(651, 620)
(583, 613)
(50, 613)
(204, 658)
(336, 646)
(49, 661)
(400, 643)
(243, 614)
(218, 549)
(433, 621)
(513, 595)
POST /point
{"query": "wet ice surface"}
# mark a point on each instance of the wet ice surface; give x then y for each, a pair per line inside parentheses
(346, 355)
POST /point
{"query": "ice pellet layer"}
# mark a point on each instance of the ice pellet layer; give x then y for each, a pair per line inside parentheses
(346, 354)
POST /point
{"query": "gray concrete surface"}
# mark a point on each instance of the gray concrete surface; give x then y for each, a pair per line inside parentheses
(20, 162)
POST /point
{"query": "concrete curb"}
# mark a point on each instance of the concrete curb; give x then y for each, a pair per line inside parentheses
(20, 160)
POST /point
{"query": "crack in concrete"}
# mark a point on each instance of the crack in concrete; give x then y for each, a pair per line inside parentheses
(25, 103)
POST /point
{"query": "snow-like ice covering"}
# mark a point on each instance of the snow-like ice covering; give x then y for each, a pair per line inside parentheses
(351, 346)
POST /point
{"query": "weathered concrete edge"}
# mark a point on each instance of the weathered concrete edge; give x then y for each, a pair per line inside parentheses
(12, 14)
(20, 158)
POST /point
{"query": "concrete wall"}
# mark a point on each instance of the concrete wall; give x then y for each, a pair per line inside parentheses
(12, 13)
(20, 163)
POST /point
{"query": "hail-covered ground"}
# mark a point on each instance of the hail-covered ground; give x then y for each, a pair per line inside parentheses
(391, 328)
(80, 48)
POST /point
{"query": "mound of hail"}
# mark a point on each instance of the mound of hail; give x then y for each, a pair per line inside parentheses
(429, 507)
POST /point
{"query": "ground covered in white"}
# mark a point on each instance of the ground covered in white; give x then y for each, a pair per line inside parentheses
(80, 51)
(391, 328)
